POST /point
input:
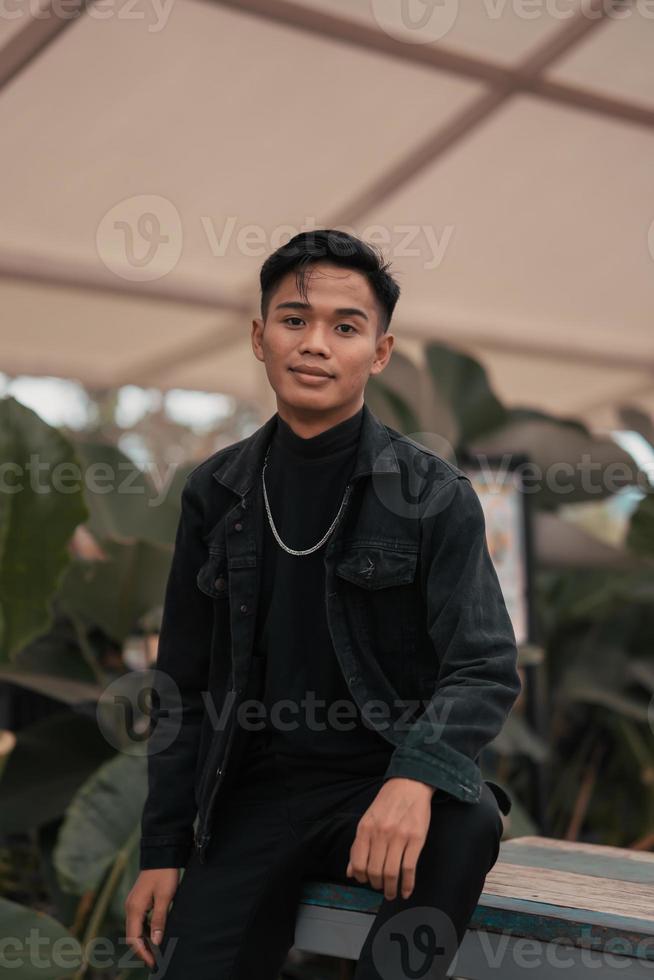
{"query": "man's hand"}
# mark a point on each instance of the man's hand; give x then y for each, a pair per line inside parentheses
(390, 836)
(153, 889)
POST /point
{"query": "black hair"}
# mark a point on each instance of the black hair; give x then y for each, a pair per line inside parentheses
(338, 248)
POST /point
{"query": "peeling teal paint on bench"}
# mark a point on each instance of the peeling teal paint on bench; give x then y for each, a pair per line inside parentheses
(545, 926)
(625, 925)
(533, 920)
(335, 896)
(544, 922)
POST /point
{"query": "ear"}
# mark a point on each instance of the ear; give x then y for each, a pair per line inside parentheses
(257, 337)
(382, 352)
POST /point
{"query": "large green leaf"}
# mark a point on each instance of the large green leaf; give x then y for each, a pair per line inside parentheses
(53, 665)
(114, 594)
(103, 818)
(58, 955)
(125, 504)
(464, 384)
(570, 464)
(640, 537)
(50, 761)
(636, 420)
(64, 689)
(63, 906)
(36, 521)
(380, 394)
(404, 397)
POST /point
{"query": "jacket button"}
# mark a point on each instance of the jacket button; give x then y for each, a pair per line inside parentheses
(220, 583)
(244, 608)
(238, 526)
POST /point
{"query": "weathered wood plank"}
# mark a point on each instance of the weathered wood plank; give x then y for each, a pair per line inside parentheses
(591, 895)
(573, 891)
(591, 863)
(573, 847)
(519, 907)
(543, 927)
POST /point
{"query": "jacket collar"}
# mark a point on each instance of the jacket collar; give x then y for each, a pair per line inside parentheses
(375, 454)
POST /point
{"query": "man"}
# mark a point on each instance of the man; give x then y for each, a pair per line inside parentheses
(325, 562)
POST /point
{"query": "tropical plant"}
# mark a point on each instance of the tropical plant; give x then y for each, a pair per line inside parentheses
(594, 603)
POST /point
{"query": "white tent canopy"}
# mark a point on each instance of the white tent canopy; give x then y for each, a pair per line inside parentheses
(502, 154)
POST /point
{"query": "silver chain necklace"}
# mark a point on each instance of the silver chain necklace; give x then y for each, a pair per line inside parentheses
(294, 551)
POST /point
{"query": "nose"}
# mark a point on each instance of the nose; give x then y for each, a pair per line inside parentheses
(314, 340)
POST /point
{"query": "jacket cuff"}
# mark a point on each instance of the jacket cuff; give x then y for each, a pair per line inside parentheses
(443, 768)
(167, 854)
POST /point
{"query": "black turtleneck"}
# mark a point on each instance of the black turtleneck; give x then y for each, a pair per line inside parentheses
(305, 482)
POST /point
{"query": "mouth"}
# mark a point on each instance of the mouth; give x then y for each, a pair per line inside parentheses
(313, 373)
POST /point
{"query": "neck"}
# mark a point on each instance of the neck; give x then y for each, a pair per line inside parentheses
(307, 423)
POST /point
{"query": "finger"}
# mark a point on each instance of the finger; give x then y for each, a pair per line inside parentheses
(409, 862)
(359, 856)
(140, 948)
(392, 866)
(133, 930)
(158, 918)
(376, 859)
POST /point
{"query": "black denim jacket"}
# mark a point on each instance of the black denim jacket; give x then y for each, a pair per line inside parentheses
(414, 607)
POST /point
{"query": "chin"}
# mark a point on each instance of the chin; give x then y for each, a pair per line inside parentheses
(306, 397)
(309, 398)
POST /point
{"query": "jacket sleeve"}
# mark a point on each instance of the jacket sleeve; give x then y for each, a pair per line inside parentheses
(473, 637)
(180, 677)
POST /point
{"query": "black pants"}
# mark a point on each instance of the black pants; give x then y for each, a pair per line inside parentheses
(233, 917)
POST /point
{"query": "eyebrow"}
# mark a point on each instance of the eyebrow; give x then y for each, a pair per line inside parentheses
(341, 311)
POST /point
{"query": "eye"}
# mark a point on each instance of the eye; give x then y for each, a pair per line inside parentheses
(350, 326)
(286, 319)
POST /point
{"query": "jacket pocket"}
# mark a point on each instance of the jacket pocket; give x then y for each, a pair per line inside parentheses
(377, 568)
(381, 599)
(213, 578)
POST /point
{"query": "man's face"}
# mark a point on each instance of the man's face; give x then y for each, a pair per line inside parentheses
(337, 333)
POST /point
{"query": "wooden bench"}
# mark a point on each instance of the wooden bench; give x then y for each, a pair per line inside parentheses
(549, 909)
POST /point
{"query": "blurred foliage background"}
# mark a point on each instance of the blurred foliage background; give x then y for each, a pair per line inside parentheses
(82, 575)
